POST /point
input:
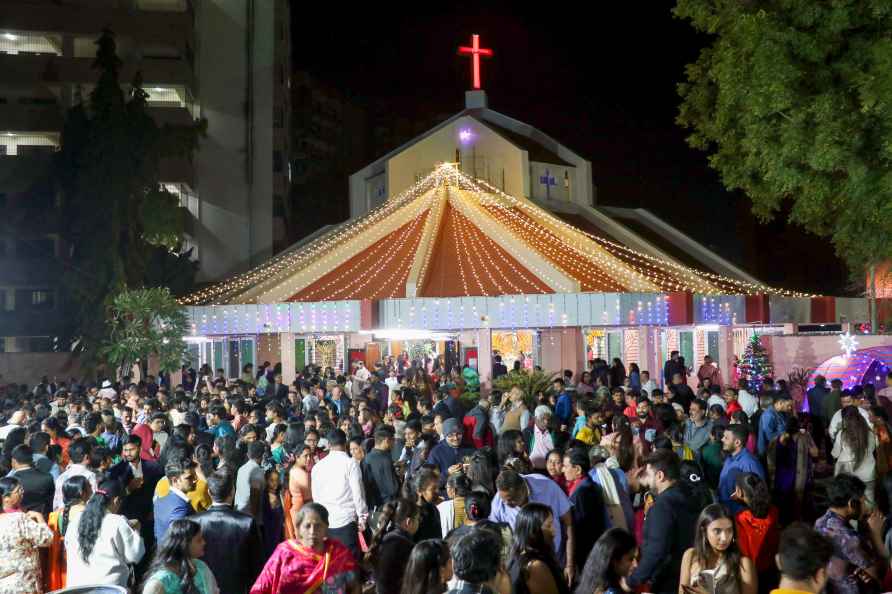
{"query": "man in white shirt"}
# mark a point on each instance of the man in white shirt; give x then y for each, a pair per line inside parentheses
(361, 372)
(392, 385)
(337, 485)
(748, 403)
(77, 453)
(647, 384)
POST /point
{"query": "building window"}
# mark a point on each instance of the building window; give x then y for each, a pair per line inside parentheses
(278, 117)
(277, 161)
(28, 43)
(40, 344)
(42, 299)
(278, 206)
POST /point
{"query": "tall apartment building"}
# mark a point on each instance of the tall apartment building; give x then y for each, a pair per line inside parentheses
(227, 61)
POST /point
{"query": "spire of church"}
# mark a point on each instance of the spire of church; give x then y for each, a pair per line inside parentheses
(475, 99)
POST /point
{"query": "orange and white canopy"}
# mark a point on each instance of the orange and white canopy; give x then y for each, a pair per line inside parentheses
(451, 236)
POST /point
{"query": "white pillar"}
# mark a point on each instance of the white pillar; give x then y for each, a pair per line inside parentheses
(646, 349)
(484, 359)
(289, 368)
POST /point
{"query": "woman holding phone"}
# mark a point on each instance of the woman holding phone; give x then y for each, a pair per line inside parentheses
(715, 565)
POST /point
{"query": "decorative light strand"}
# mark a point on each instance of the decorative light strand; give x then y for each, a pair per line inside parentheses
(577, 252)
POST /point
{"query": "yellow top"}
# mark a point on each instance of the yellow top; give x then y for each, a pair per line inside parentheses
(788, 591)
(198, 497)
(588, 436)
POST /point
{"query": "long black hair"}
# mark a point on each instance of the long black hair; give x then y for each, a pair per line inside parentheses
(393, 514)
(74, 490)
(625, 454)
(94, 512)
(425, 564)
(482, 470)
(703, 551)
(755, 492)
(531, 544)
(505, 446)
(855, 432)
(173, 554)
(8, 484)
(598, 575)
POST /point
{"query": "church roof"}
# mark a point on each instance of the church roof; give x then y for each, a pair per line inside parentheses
(452, 235)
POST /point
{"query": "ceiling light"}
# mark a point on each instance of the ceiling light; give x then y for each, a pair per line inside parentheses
(10, 36)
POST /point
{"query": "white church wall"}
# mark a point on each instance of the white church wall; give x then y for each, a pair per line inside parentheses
(552, 182)
(482, 151)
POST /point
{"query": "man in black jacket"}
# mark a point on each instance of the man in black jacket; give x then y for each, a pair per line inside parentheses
(668, 529)
(498, 368)
(139, 478)
(38, 486)
(377, 466)
(675, 364)
(233, 549)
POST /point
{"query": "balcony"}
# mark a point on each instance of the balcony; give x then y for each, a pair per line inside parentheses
(31, 323)
(31, 118)
(41, 70)
(177, 170)
(20, 16)
(37, 271)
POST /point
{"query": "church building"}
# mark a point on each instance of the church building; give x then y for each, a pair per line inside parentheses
(484, 236)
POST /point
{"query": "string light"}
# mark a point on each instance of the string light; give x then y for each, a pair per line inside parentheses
(489, 215)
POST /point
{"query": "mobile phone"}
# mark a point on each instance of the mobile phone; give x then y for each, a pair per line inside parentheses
(707, 580)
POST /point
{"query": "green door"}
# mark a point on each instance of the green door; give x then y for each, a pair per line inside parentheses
(686, 346)
(712, 345)
(300, 354)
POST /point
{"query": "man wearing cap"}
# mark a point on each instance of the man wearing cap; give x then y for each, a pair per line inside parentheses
(450, 405)
(107, 391)
(448, 454)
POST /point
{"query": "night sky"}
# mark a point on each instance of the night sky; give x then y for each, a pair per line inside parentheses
(603, 83)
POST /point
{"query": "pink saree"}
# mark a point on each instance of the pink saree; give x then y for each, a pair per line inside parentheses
(296, 569)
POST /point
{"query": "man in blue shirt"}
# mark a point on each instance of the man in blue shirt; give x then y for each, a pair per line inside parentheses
(739, 460)
(772, 422)
(515, 491)
(563, 409)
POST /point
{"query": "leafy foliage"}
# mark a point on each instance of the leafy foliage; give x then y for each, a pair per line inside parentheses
(117, 213)
(146, 322)
(792, 100)
(531, 382)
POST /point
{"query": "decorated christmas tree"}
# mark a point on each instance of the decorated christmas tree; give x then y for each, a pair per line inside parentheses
(755, 365)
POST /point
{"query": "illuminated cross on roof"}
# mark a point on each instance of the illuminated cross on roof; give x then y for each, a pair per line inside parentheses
(475, 51)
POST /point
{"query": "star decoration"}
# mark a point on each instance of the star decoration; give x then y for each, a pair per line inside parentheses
(848, 343)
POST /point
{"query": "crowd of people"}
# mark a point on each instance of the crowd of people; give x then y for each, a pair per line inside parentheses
(403, 479)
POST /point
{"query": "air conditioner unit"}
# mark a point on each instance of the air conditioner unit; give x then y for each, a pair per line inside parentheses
(819, 328)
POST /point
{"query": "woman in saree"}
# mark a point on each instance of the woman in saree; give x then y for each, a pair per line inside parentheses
(310, 564)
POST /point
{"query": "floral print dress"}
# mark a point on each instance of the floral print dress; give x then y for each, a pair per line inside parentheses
(20, 539)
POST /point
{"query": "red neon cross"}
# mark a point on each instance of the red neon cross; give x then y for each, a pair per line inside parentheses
(475, 51)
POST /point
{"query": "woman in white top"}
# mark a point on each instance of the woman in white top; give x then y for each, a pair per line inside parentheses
(854, 448)
(100, 544)
(452, 511)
